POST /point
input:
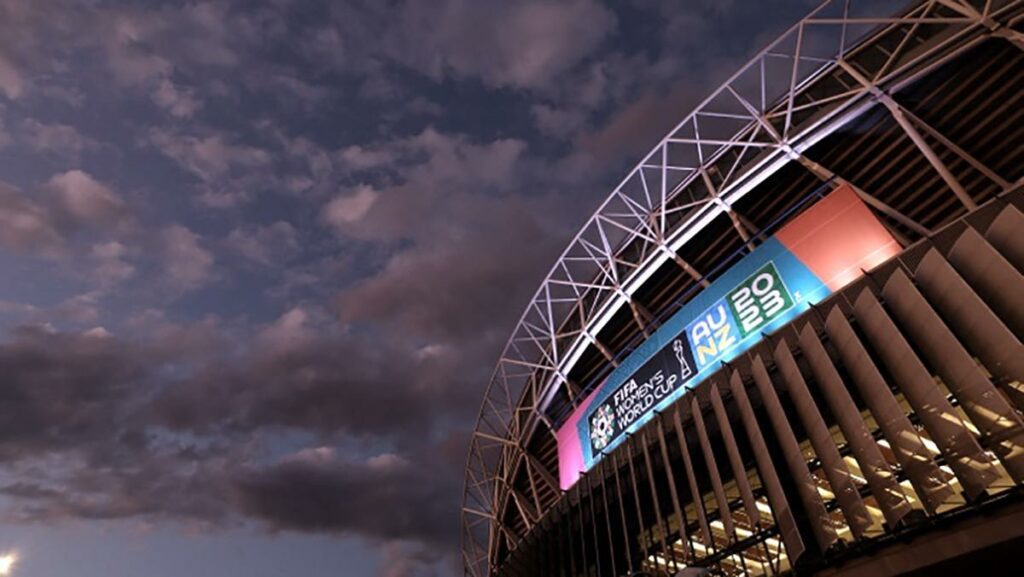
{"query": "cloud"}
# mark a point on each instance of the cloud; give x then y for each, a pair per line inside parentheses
(350, 207)
(320, 491)
(16, 308)
(86, 201)
(12, 84)
(89, 431)
(62, 390)
(73, 436)
(355, 157)
(405, 559)
(430, 169)
(290, 331)
(266, 245)
(638, 125)
(228, 171)
(464, 289)
(142, 47)
(5, 137)
(519, 45)
(82, 309)
(60, 139)
(127, 54)
(187, 265)
(209, 157)
(79, 223)
(557, 122)
(111, 265)
(179, 103)
(287, 87)
(477, 229)
(301, 373)
(25, 226)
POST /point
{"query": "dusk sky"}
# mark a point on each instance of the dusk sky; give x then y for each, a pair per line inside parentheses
(258, 258)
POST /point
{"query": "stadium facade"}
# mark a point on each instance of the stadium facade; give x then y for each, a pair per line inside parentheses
(789, 342)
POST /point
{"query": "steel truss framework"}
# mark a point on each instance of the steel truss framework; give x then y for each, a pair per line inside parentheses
(764, 117)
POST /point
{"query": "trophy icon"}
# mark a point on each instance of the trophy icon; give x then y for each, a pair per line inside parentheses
(684, 367)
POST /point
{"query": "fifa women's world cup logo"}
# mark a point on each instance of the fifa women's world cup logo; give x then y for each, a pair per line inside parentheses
(602, 427)
(639, 395)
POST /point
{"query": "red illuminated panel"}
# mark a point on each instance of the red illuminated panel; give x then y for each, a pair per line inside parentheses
(838, 237)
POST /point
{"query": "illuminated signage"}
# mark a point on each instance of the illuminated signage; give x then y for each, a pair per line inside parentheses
(655, 381)
(816, 253)
(759, 299)
(755, 302)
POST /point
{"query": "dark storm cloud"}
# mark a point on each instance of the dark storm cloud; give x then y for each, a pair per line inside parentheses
(60, 391)
(153, 486)
(70, 431)
(68, 390)
(317, 491)
(78, 430)
(297, 377)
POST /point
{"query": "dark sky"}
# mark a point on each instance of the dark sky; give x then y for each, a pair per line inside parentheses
(258, 258)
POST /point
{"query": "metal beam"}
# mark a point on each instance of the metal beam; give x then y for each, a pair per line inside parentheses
(898, 115)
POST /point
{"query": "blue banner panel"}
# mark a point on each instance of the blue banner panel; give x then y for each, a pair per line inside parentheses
(818, 252)
(760, 293)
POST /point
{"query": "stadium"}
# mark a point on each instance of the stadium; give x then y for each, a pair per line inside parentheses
(789, 341)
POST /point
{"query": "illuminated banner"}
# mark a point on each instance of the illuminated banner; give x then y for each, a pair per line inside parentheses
(815, 254)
